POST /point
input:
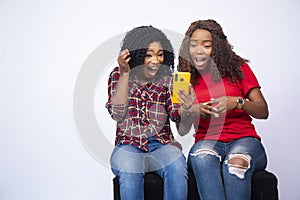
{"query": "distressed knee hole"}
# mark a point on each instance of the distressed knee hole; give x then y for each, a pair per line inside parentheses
(238, 164)
(207, 152)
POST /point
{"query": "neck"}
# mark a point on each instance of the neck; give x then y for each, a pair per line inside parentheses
(143, 79)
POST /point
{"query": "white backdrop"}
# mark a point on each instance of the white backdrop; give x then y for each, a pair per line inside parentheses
(44, 45)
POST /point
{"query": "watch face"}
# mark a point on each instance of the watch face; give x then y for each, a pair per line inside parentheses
(241, 101)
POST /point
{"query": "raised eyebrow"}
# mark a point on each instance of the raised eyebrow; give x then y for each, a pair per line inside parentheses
(203, 41)
(159, 50)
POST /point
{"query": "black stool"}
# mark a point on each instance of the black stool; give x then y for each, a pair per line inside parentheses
(264, 187)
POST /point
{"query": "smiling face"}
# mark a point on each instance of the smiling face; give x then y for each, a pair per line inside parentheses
(153, 59)
(200, 48)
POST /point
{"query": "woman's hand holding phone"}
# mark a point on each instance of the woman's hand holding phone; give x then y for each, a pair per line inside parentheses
(181, 81)
(187, 99)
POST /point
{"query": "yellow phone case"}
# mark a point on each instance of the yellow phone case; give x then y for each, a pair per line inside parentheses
(181, 80)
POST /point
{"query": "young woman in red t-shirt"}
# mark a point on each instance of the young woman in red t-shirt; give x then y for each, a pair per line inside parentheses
(227, 149)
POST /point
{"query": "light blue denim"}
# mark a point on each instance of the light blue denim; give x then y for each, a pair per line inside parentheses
(214, 181)
(130, 164)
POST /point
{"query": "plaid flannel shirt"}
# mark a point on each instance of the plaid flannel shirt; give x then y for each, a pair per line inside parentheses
(147, 113)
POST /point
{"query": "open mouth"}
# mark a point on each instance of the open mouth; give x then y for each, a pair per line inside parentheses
(199, 61)
(152, 70)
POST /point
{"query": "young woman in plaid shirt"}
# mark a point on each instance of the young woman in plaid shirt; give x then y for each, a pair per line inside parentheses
(140, 101)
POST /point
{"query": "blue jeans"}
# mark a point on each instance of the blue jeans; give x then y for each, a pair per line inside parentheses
(224, 170)
(130, 164)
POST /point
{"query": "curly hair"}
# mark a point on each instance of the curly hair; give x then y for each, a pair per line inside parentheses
(224, 61)
(137, 42)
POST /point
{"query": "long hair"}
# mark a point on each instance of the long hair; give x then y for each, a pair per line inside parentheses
(137, 42)
(224, 61)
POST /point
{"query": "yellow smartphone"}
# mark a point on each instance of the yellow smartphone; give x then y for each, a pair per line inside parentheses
(181, 80)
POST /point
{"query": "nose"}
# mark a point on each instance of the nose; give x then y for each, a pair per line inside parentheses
(155, 60)
(199, 49)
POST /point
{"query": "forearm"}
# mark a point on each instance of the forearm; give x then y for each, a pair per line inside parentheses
(185, 124)
(258, 110)
(121, 94)
(256, 105)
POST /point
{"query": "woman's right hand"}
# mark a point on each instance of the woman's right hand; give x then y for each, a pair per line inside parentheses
(205, 110)
(123, 61)
(187, 99)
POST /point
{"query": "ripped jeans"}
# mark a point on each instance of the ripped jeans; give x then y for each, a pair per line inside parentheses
(224, 170)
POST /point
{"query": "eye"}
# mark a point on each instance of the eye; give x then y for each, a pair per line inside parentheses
(207, 45)
(148, 56)
(161, 54)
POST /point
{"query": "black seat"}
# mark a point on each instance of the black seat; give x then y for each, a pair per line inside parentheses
(264, 187)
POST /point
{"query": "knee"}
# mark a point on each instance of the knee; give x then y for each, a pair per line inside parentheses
(238, 164)
(204, 156)
(176, 171)
(179, 166)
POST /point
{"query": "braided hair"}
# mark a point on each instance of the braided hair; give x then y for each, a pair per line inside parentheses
(137, 42)
(224, 61)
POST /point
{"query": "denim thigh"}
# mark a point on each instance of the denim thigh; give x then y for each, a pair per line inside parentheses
(127, 158)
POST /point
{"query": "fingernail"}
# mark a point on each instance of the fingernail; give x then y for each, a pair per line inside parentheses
(216, 114)
(214, 109)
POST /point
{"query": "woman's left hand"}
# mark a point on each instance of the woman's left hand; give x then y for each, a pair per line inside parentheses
(223, 104)
(187, 99)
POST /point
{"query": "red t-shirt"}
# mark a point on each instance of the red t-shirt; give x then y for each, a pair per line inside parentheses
(233, 124)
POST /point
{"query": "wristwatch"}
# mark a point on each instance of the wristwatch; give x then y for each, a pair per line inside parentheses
(239, 103)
